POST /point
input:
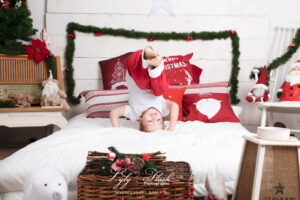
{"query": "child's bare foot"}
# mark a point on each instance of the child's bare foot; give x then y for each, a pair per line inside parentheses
(150, 53)
(155, 62)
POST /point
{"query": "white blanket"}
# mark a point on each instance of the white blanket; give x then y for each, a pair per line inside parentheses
(208, 147)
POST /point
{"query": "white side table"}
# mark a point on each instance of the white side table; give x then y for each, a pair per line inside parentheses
(268, 170)
(32, 117)
(292, 107)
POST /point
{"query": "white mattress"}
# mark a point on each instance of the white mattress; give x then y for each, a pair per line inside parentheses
(208, 147)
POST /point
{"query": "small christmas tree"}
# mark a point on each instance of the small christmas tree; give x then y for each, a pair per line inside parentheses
(15, 26)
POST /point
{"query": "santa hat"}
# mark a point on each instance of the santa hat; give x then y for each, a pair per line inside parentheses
(296, 64)
(262, 80)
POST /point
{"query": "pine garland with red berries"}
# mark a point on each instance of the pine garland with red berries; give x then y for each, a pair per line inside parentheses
(150, 36)
(291, 50)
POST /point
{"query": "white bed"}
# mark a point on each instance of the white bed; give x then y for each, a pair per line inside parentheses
(214, 147)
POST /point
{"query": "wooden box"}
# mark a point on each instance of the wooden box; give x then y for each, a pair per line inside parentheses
(269, 170)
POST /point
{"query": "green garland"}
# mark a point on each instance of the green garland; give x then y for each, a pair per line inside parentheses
(70, 49)
(7, 104)
(284, 58)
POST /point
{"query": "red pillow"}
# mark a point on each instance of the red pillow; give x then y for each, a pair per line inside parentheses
(180, 71)
(176, 95)
(208, 107)
(113, 72)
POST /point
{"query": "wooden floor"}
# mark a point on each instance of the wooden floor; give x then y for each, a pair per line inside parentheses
(7, 151)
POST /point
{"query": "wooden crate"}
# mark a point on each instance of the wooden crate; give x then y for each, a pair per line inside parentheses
(269, 170)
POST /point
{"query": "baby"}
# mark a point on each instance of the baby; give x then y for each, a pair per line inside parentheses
(146, 81)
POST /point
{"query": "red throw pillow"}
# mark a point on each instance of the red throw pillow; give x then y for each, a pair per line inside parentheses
(180, 71)
(113, 72)
(208, 107)
(176, 95)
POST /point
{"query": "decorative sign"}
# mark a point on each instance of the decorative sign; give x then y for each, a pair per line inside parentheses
(32, 90)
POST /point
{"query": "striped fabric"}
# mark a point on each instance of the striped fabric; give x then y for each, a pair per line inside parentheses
(99, 103)
(218, 87)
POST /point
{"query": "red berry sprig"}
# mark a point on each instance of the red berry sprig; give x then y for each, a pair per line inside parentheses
(232, 32)
(73, 35)
(189, 38)
(292, 45)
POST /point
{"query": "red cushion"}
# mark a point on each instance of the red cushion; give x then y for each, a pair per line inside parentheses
(176, 95)
(180, 71)
(113, 72)
(208, 107)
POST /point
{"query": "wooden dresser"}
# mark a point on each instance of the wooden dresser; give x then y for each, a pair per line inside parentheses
(19, 74)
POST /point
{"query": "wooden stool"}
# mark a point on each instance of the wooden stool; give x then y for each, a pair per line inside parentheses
(269, 170)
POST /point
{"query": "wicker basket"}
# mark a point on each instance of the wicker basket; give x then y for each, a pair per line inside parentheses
(174, 180)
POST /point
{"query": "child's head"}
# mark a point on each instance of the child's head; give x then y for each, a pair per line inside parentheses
(151, 120)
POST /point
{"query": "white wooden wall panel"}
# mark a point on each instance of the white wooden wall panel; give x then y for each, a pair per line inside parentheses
(90, 47)
(249, 27)
(186, 7)
(248, 17)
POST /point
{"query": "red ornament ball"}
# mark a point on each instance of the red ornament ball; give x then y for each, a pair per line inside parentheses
(239, 68)
(189, 194)
(122, 198)
(67, 69)
(98, 34)
(150, 39)
(192, 189)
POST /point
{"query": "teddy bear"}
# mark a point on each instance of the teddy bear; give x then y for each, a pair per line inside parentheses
(52, 95)
(215, 187)
(45, 184)
(22, 101)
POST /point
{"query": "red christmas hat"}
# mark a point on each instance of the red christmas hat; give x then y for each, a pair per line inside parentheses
(296, 64)
(262, 80)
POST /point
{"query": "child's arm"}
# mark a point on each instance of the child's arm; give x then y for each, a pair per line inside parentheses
(174, 109)
(115, 114)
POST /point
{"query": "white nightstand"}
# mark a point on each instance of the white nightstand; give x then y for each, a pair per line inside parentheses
(32, 117)
(292, 107)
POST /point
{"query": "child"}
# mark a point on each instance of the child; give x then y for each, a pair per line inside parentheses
(146, 81)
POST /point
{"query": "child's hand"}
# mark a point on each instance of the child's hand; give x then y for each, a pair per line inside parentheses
(155, 62)
(171, 128)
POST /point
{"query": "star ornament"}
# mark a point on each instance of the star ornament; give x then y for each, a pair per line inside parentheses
(162, 4)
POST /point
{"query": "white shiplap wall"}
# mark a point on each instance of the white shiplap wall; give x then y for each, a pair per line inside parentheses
(248, 17)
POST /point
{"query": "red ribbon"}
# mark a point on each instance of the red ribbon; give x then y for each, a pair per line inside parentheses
(126, 163)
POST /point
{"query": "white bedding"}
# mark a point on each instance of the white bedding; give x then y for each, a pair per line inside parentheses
(207, 147)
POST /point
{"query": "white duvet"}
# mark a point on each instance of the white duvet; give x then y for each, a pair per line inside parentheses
(208, 147)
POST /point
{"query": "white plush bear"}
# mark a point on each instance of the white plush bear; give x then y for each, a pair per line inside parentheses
(215, 187)
(45, 184)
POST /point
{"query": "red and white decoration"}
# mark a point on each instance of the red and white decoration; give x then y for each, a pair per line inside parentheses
(113, 72)
(208, 103)
(99, 103)
(290, 89)
(180, 71)
(260, 92)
